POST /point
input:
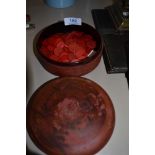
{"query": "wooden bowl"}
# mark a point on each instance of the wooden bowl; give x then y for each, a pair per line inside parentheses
(72, 68)
(70, 116)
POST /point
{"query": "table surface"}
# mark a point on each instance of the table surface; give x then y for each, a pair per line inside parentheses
(114, 84)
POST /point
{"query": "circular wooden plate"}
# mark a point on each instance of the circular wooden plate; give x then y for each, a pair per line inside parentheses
(70, 116)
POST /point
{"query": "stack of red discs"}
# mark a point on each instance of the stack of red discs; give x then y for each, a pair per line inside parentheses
(68, 47)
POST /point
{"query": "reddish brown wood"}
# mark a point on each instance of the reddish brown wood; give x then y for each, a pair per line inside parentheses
(70, 116)
(69, 69)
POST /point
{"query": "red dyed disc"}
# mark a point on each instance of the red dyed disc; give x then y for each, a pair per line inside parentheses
(70, 116)
(75, 42)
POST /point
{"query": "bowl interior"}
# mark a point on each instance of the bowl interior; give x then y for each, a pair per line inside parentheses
(61, 28)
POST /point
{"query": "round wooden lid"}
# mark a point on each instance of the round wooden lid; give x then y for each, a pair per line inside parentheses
(70, 116)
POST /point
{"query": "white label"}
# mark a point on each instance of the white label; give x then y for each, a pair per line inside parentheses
(72, 21)
(125, 13)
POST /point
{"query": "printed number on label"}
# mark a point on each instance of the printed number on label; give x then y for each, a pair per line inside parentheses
(72, 21)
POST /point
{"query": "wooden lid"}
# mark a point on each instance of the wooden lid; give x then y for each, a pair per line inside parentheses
(70, 116)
